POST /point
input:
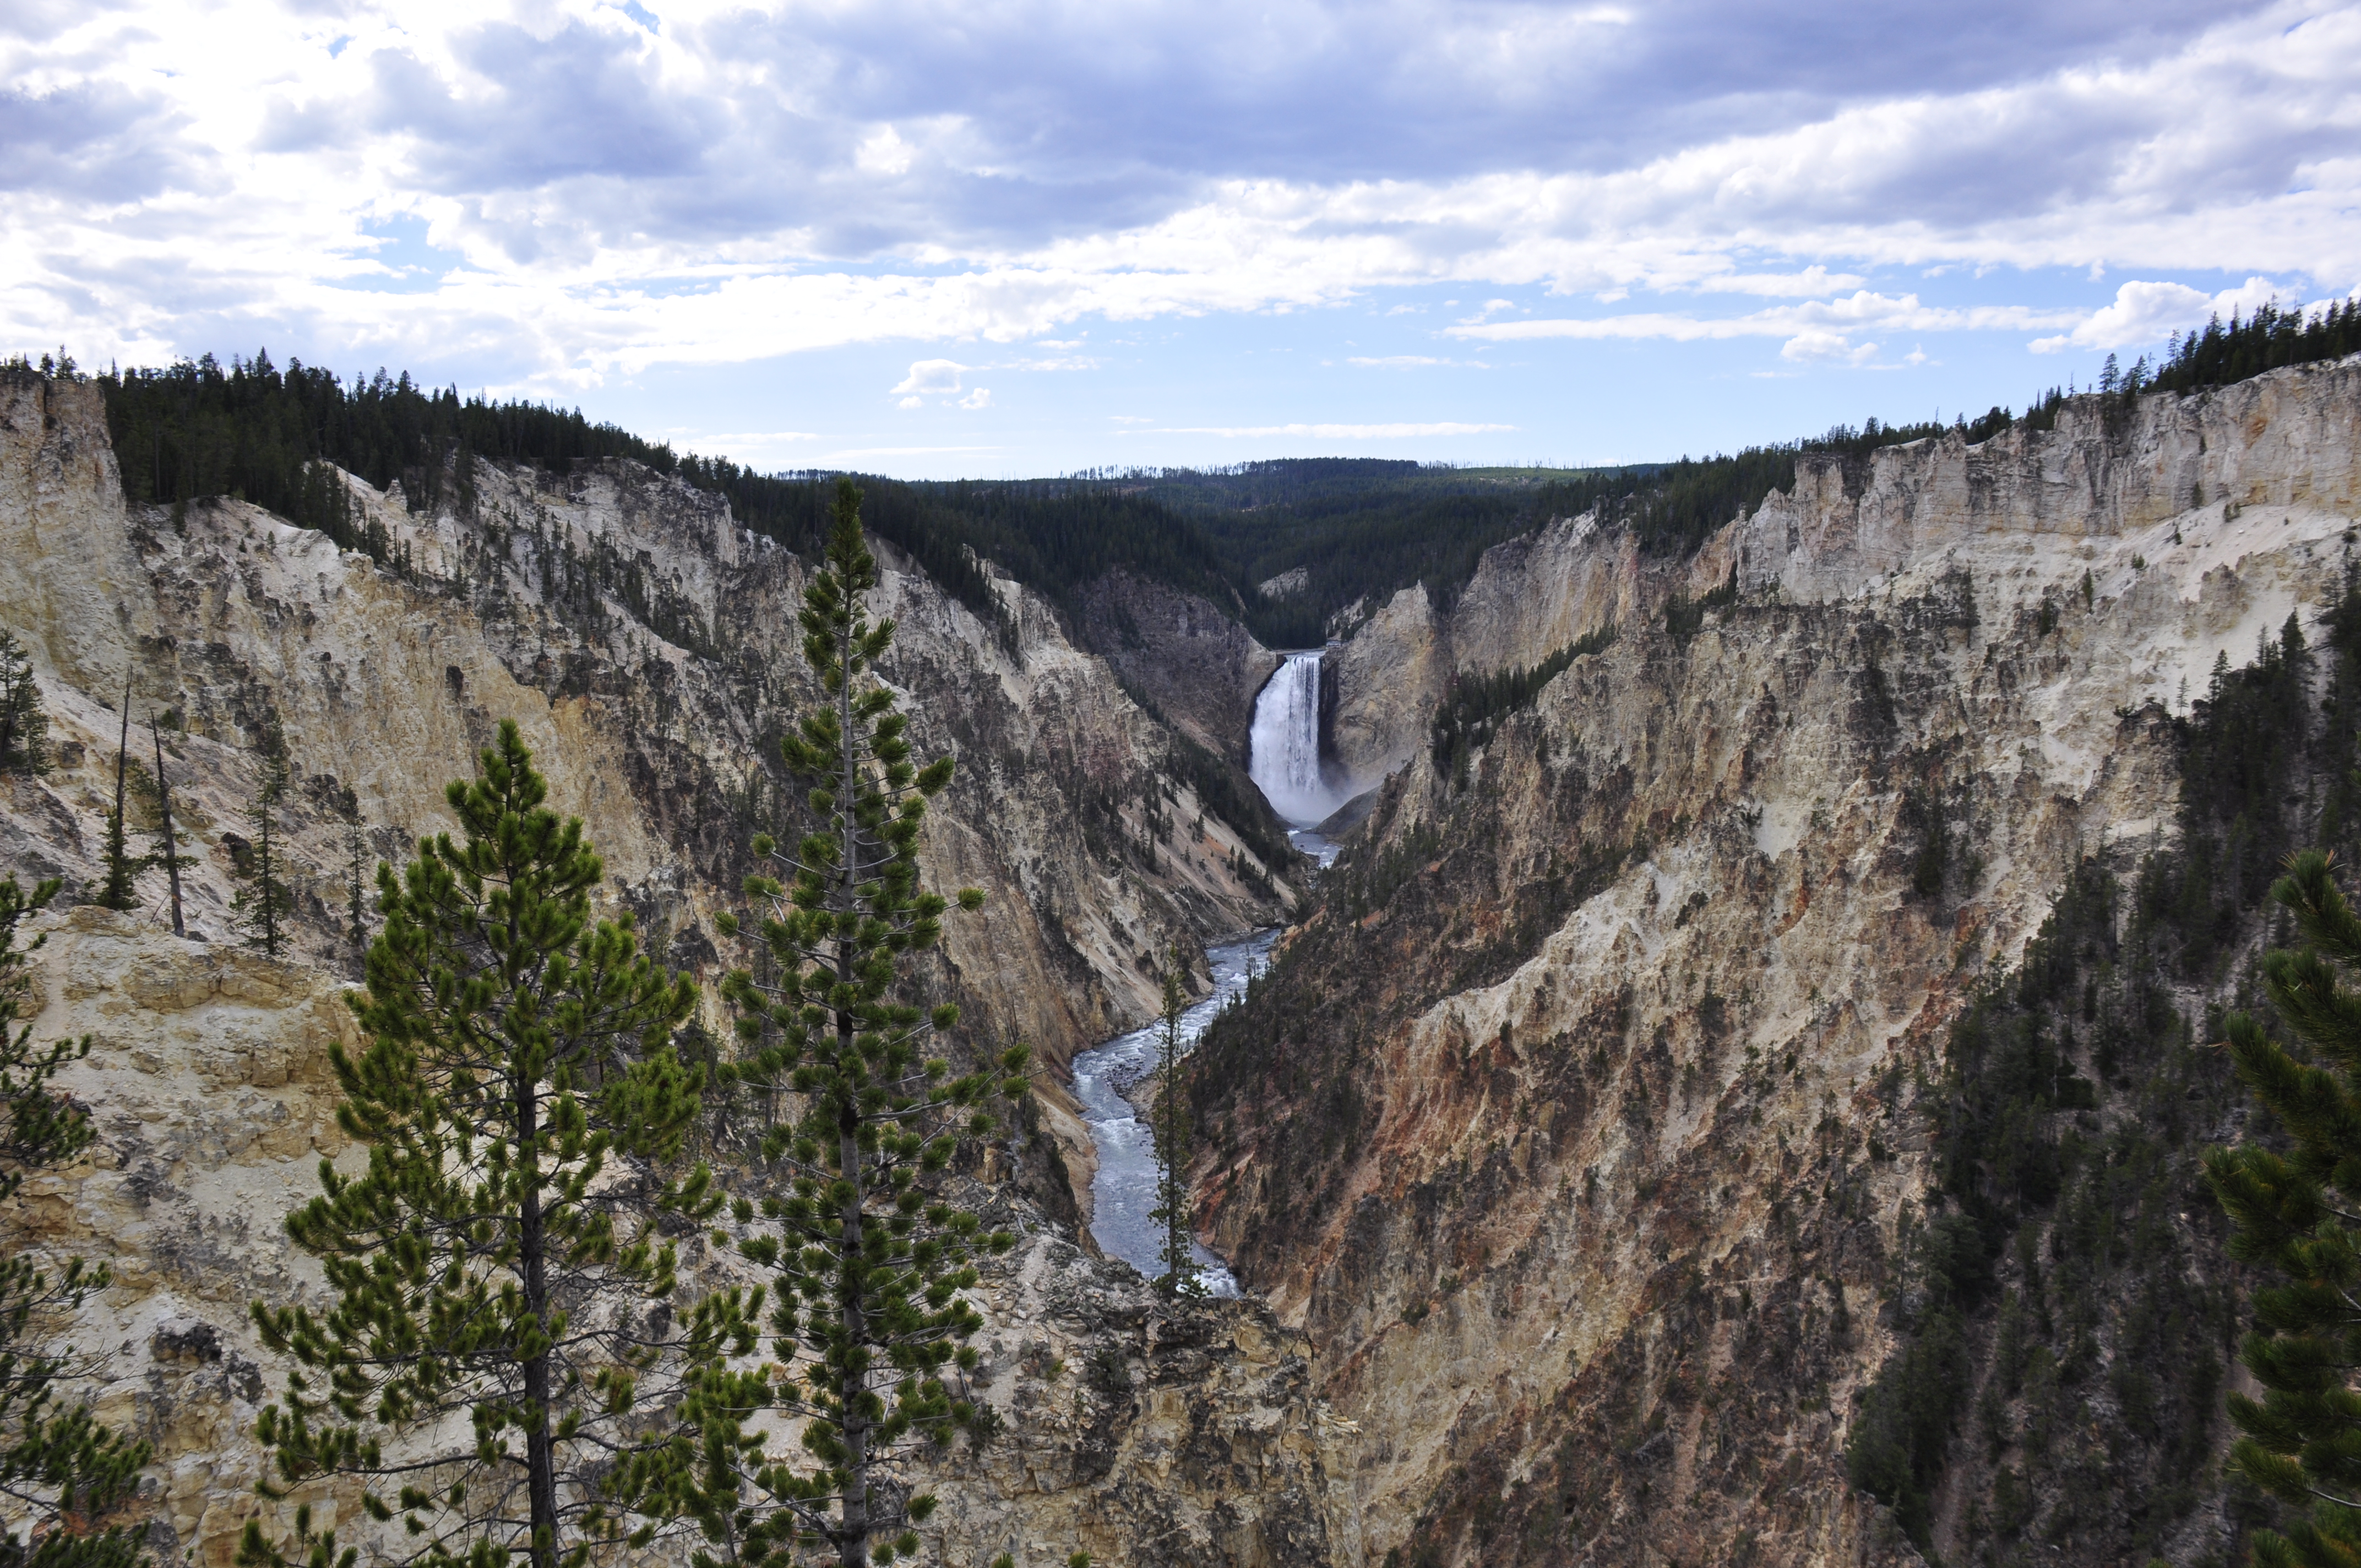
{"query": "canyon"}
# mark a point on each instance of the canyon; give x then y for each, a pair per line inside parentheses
(1572, 1151)
(540, 602)
(1584, 1125)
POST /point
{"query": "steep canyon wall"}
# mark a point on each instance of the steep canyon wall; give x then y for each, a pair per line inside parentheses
(1577, 1140)
(648, 648)
(1582, 1126)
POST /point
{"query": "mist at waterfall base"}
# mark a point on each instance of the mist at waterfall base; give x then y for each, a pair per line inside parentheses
(1283, 754)
(1123, 1197)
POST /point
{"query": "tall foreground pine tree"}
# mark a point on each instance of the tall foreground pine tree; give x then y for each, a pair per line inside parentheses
(867, 1316)
(58, 1468)
(502, 1321)
(2295, 1215)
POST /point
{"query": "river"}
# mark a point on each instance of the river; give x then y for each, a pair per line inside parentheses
(1123, 1195)
(1288, 768)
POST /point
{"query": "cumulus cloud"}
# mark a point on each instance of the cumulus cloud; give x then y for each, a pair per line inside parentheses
(979, 398)
(884, 151)
(599, 193)
(95, 141)
(1821, 346)
(931, 375)
(2143, 313)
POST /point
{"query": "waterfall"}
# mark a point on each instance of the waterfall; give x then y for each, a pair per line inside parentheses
(1283, 755)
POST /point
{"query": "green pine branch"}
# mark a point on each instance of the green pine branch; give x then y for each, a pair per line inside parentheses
(867, 1317)
(501, 1326)
(2298, 1215)
(62, 1470)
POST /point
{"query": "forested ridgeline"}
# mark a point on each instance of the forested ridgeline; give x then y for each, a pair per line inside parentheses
(1357, 530)
(252, 428)
(2070, 1313)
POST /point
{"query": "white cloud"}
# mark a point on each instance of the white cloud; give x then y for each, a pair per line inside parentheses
(883, 151)
(1819, 346)
(1815, 322)
(1409, 361)
(582, 199)
(1811, 282)
(930, 376)
(1332, 432)
(2143, 313)
(979, 398)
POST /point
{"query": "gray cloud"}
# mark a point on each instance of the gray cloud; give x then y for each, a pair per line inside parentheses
(736, 184)
(1324, 93)
(573, 105)
(95, 142)
(1031, 121)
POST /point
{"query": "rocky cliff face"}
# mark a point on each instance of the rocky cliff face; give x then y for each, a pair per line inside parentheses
(1151, 1434)
(648, 649)
(1202, 669)
(2022, 506)
(1581, 1126)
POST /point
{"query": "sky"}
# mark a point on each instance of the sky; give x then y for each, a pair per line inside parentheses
(1002, 237)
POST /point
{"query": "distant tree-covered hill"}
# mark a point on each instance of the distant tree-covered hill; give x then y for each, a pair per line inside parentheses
(1358, 528)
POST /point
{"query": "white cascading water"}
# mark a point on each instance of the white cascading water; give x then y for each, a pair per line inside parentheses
(1283, 755)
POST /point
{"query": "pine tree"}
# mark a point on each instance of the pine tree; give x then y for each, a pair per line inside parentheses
(1179, 1276)
(168, 853)
(2293, 1212)
(262, 905)
(348, 807)
(502, 1295)
(61, 1468)
(122, 868)
(869, 1258)
(24, 723)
